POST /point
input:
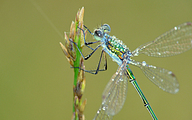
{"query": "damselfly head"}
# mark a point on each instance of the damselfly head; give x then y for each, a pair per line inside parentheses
(99, 33)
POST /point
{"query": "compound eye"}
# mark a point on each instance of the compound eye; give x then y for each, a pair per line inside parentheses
(98, 34)
(106, 28)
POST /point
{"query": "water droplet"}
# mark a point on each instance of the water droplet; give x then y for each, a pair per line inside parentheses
(161, 80)
(120, 73)
(98, 112)
(144, 63)
(169, 72)
(176, 90)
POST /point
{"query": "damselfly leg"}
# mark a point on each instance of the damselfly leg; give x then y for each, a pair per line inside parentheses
(93, 50)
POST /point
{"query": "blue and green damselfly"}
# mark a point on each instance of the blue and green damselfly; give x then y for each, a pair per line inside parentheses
(173, 42)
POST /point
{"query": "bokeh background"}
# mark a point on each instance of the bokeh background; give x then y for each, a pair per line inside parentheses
(36, 80)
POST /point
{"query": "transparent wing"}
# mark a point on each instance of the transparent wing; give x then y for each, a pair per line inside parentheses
(173, 42)
(115, 92)
(101, 115)
(161, 77)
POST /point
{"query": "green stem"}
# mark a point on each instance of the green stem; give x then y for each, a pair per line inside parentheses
(77, 61)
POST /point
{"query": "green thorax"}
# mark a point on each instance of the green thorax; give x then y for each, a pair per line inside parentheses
(116, 46)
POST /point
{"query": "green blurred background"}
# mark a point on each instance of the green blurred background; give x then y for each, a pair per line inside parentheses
(36, 79)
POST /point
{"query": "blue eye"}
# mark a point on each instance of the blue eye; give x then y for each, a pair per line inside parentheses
(106, 28)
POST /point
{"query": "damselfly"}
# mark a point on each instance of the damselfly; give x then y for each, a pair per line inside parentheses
(173, 42)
